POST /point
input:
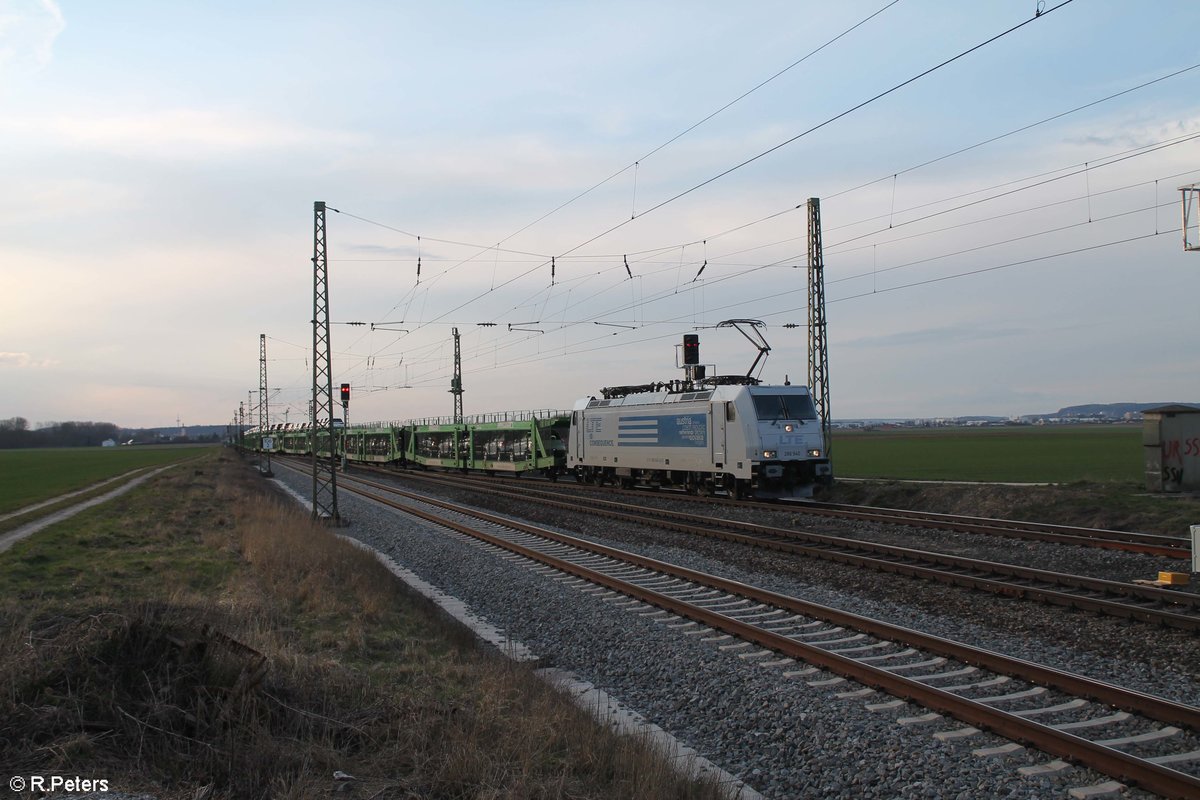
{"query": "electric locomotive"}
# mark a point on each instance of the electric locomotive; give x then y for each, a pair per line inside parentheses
(727, 434)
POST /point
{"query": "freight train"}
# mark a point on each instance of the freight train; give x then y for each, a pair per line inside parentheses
(512, 442)
(724, 435)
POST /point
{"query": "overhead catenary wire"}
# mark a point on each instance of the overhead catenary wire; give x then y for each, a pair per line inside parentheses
(592, 348)
(775, 295)
(1124, 155)
(824, 123)
(497, 248)
(624, 262)
(649, 300)
(1008, 265)
(1114, 160)
(982, 270)
(1009, 133)
(1084, 170)
(890, 176)
(634, 164)
(1011, 240)
(966, 273)
(837, 250)
(1013, 132)
(1041, 13)
(417, 237)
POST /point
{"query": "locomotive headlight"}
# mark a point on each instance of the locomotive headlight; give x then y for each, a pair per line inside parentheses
(768, 453)
(815, 453)
(789, 427)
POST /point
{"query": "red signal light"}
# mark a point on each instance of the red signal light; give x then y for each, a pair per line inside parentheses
(691, 349)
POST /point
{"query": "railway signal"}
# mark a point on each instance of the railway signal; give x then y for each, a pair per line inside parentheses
(345, 419)
(691, 349)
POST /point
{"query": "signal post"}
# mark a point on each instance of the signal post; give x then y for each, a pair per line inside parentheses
(345, 420)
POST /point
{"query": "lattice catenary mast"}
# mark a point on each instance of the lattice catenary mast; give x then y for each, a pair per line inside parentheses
(324, 493)
(264, 416)
(818, 345)
(456, 388)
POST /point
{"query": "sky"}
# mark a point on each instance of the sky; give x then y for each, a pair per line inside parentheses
(580, 184)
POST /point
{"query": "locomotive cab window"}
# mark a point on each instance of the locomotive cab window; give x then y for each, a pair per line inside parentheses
(784, 406)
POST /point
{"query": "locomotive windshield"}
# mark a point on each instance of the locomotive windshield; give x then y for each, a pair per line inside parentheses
(784, 406)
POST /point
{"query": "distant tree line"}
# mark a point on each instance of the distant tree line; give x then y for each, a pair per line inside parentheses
(15, 432)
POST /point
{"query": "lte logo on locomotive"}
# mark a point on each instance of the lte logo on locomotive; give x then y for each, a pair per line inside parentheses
(593, 427)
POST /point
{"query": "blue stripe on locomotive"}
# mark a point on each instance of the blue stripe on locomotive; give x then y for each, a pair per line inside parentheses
(662, 430)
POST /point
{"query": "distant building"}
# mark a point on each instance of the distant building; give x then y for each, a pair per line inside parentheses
(109, 443)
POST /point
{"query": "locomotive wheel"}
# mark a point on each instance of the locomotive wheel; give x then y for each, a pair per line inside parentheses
(736, 488)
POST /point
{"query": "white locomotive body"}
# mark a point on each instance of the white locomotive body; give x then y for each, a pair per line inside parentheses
(748, 440)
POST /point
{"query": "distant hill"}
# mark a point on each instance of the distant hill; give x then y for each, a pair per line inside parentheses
(194, 433)
(1110, 410)
(192, 430)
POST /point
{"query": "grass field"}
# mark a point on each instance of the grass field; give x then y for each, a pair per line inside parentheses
(1066, 454)
(30, 476)
(195, 638)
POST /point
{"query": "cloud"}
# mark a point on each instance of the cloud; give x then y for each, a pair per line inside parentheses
(956, 334)
(28, 29)
(1137, 134)
(178, 133)
(24, 361)
(388, 252)
(45, 198)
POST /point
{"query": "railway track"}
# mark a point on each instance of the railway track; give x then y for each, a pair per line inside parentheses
(1167, 607)
(1146, 740)
(1147, 543)
(1161, 545)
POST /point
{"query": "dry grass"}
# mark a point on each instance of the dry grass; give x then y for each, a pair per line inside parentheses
(296, 655)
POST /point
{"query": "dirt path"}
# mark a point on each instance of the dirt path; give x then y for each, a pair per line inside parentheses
(25, 510)
(7, 540)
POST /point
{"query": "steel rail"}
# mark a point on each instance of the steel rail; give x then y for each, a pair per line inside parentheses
(1164, 711)
(1132, 541)
(957, 570)
(1154, 544)
(1154, 777)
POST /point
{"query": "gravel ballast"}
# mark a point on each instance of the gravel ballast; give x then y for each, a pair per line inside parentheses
(782, 736)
